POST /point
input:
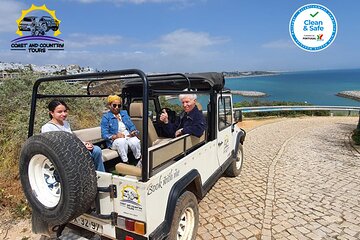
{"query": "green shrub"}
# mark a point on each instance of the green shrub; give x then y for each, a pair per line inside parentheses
(14, 102)
(258, 103)
(15, 96)
(356, 136)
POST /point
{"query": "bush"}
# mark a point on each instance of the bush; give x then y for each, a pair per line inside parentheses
(356, 136)
(258, 103)
(15, 96)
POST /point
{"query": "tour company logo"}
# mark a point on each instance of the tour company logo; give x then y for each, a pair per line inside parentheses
(33, 26)
(313, 27)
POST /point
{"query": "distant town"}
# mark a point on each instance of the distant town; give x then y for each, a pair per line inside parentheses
(13, 70)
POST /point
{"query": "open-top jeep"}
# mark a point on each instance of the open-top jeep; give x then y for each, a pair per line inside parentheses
(157, 201)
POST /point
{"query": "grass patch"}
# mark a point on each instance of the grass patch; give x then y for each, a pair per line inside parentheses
(356, 136)
(258, 103)
(14, 122)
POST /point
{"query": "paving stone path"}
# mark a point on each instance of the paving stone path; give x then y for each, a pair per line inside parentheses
(300, 180)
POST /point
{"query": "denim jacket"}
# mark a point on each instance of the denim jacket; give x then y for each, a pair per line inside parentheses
(110, 125)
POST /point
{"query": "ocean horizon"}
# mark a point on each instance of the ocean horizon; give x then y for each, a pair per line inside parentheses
(314, 87)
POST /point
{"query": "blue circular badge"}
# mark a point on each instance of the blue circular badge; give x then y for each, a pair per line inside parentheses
(313, 27)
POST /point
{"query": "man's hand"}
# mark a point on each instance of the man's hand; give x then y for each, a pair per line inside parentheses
(164, 117)
(89, 146)
(178, 132)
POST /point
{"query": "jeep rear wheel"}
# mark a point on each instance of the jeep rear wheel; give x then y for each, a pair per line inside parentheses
(58, 176)
(186, 218)
(235, 167)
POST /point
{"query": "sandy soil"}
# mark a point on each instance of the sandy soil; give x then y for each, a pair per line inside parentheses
(253, 123)
(15, 229)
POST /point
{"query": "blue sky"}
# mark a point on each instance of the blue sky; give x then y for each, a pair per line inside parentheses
(184, 35)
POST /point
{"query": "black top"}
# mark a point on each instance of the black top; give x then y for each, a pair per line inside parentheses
(192, 123)
(198, 81)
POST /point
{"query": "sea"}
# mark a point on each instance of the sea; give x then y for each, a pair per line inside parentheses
(313, 87)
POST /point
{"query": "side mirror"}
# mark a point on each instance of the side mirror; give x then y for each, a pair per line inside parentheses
(237, 116)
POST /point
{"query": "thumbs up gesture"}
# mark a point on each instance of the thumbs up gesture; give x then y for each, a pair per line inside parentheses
(164, 117)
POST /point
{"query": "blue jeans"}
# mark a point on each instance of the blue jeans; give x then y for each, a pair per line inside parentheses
(96, 155)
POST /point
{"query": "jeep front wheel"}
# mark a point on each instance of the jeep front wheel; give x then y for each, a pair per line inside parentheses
(58, 176)
(186, 218)
(235, 167)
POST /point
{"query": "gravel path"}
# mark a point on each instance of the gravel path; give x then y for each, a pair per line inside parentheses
(300, 180)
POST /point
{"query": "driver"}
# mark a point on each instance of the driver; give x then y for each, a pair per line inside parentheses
(190, 121)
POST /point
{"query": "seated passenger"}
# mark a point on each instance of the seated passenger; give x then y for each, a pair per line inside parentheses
(191, 120)
(58, 112)
(119, 131)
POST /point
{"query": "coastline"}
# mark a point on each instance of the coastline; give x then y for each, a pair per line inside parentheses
(254, 75)
(248, 93)
(355, 95)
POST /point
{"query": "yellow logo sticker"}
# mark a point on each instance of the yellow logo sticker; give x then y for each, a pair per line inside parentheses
(41, 25)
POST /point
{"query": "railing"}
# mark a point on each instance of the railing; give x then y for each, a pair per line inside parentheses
(294, 108)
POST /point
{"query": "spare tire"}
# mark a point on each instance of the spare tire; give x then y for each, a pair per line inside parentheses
(58, 176)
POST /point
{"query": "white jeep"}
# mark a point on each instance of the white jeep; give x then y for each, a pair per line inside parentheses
(157, 201)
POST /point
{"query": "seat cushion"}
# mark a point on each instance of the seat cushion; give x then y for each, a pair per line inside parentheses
(126, 169)
(88, 134)
(109, 154)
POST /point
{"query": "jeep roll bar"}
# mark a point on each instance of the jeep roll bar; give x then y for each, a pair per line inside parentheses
(142, 76)
(172, 83)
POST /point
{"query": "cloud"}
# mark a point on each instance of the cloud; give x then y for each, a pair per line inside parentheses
(79, 40)
(133, 1)
(279, 44)
(180, 3)
(10, 11)
(187, 43)
(180, 50)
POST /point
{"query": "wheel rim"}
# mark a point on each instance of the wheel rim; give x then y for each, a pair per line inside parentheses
(43, 27)
(239, 158)
(44, 180)
(186, 224)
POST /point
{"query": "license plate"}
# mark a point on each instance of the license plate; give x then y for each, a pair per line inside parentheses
(88, 224)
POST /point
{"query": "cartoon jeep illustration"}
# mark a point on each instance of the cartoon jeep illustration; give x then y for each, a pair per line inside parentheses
(38, 25)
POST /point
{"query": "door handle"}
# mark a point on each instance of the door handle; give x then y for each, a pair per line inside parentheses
(220, 143)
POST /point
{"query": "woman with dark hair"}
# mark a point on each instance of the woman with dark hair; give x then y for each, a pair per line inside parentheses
(58, 112)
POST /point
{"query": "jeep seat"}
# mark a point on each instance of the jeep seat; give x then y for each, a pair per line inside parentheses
(127, 169)
(199, 106)
(94, 135)
(136, 114)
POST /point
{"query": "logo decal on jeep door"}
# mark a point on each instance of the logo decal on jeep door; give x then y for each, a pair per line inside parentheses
(130, 198)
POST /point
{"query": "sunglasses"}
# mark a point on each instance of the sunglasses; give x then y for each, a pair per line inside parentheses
(116, 105)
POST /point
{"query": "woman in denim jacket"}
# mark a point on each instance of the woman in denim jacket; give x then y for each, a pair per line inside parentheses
(119, 131)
